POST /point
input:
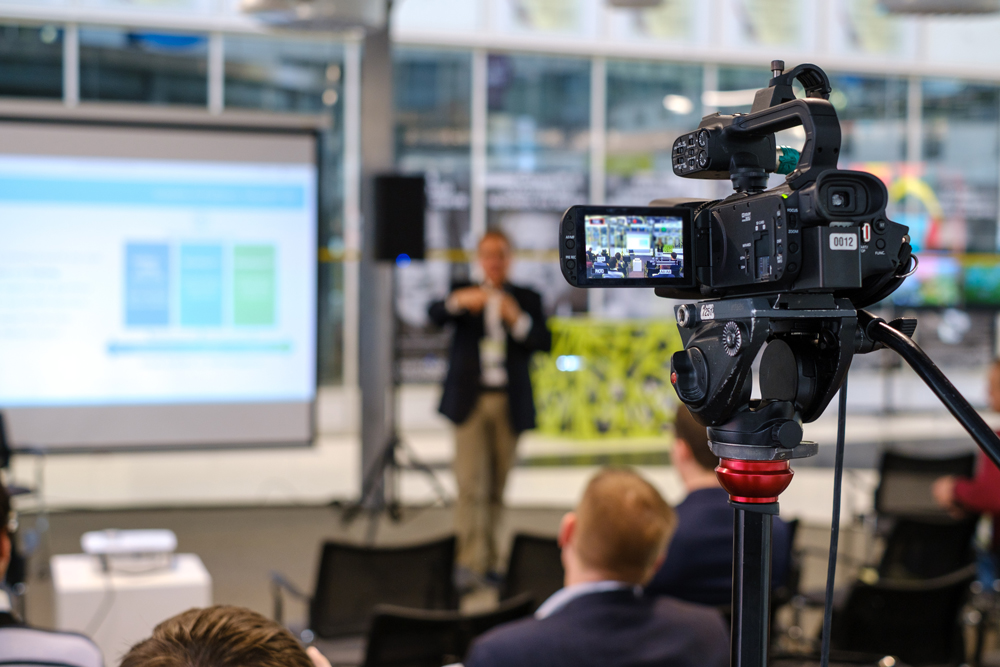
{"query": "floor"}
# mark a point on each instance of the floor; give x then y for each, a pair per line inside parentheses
(241, 546)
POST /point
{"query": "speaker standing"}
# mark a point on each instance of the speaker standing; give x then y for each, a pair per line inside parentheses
(487, 394)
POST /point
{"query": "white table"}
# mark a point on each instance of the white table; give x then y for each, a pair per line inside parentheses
(133, 603)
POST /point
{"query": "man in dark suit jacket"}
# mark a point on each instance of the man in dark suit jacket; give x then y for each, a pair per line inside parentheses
(22, 645)
(611, 545)
(487, 394)
(699, 563)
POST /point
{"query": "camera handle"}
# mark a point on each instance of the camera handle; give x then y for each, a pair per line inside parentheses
(818, 119)
(811, 340)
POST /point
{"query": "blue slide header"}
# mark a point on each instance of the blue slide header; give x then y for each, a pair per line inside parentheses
(146, 193)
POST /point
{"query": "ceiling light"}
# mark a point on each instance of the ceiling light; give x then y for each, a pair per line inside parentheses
(941, 6)
(678, 104)
(318, 14)
(634, 4)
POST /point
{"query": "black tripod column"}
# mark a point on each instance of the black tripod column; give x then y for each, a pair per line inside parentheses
(751, 583)
(753, 488)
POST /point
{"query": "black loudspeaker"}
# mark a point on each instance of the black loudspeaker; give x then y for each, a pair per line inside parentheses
(400, 202)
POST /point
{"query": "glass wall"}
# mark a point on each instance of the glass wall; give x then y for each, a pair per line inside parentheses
(961, 154)
(872, 113)
(538, 162)
(648, 105)
(31, 61)
(120, 65)
(433, 91)
(538, 152)
(330, 355)
(283, 75)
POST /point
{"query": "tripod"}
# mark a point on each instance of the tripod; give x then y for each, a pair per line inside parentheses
(380, 484)
(810, 342)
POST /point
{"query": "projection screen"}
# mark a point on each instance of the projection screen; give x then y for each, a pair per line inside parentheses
(157, 286)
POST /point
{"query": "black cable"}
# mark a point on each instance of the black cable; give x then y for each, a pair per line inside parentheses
(105, 606)
(831, 571)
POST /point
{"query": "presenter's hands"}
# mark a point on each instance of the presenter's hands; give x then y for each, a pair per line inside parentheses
(943, 490)
(470, 299)
(510, 311)
(318, 659)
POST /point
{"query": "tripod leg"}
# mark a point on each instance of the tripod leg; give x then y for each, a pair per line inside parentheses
(751, 587)
(372, 482)
(415, 463)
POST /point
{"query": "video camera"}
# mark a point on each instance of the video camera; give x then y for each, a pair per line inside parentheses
(823, 230)
(782, 274)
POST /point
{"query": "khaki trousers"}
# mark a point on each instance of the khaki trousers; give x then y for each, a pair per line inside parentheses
(485, 445)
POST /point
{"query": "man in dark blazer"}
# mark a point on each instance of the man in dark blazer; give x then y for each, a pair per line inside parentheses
(23, 645)
(487, 394)
(699, 563)
(611, 545)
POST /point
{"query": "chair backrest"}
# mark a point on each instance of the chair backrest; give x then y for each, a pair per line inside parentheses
(22, 646)
(401, 637)
(534, 567)
(790, 586)
(4, 444)
(905, 483)
(353, 579)
(925, 549)
(915, 620)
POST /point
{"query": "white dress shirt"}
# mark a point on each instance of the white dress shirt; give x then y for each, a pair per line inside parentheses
(493, 344)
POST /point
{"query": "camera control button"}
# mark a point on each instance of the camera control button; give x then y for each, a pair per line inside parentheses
(880, 244)
(569, 227)
(570, 263)
(880, 226)
(793, 247)
(570, 244)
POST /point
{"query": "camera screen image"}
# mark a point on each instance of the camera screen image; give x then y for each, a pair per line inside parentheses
(634, 246)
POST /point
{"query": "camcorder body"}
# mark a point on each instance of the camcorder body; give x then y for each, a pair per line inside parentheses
(824, 230)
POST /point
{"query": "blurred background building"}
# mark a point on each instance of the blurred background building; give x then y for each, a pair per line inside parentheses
(516, 109)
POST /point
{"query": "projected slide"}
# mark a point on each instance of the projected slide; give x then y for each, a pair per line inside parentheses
(139, 282)
(156, 282)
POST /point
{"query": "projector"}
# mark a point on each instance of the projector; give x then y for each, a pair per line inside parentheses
(131, 551)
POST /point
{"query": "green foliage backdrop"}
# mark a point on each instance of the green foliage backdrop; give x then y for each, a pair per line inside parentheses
(622, 387)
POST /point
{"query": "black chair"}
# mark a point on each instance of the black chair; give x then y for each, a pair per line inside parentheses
(401, 637)
(915, 620)
(789, 588)
(534, 567)
(837, 659)
(15, 580)
(904, 488)
(353, 579)
(927, 549)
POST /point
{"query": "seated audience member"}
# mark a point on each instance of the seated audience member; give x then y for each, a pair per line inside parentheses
(699, 563)
(221, 636)
(611, 545)
(980, 494)
(23, 645)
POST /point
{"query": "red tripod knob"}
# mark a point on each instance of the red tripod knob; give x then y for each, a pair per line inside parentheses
(754, 481)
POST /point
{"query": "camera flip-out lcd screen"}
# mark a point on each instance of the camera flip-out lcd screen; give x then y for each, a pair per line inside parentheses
(626, 246)
(634, 246)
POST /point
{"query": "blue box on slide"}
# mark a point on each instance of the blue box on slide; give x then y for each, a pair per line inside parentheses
(201, 285)
(147, 284)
